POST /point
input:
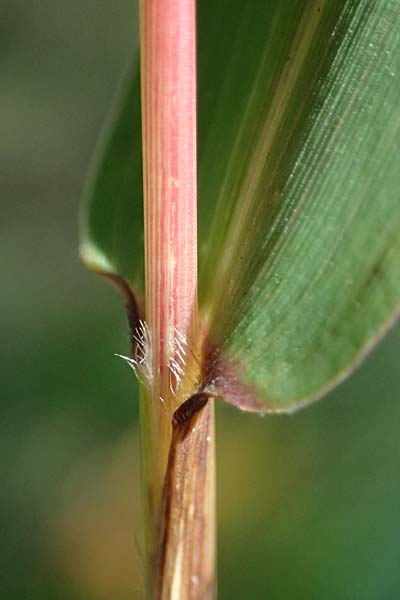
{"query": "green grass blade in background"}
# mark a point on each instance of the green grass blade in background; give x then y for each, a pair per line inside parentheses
(112, 221)
(300, 273)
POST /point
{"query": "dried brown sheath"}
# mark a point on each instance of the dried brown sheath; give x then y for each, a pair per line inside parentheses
(185, 562)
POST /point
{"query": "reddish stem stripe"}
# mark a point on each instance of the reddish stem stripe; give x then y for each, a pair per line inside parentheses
(168, 68)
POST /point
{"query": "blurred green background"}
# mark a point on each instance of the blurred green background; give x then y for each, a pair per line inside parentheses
(308, 506)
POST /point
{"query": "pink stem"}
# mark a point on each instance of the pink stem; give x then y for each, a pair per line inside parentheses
(168, 73)
(168, 70)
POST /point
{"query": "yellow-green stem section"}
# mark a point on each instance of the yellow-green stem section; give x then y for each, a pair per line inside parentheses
(155, 444)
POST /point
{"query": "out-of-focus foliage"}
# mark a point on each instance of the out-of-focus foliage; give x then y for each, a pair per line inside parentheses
(308, 504)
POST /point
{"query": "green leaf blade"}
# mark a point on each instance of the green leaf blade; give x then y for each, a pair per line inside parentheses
(112, 237)
(309, 267)
(299, 179)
